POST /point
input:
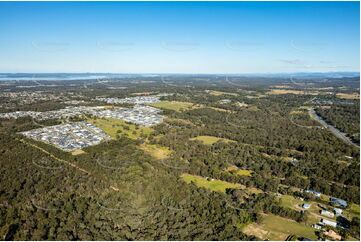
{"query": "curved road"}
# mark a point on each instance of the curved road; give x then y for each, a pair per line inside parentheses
(331, 128)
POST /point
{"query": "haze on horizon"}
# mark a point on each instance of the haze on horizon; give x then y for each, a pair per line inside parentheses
(188, 37)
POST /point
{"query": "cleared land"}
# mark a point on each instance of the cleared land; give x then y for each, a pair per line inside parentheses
(211, 184)
(348, 95)
(114, 127)
(220, 109)
(277, 228)
(240, 172)
(352, 211)
(289, 91)
(291, 202)
(219, 93)
(175, 105)
(210, 140)
(156, 151)
(78, 152)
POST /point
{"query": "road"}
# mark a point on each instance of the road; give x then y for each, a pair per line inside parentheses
(331, 128)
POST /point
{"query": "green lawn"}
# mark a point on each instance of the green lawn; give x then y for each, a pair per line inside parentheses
(113, 126)
(214, 185)
(175, 105)
(210, 140)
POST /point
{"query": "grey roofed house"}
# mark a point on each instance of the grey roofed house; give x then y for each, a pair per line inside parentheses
(338, 202)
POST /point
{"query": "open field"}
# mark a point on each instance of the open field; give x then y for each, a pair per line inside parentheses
(277, 228)
(290, 91)
(177, 121)
(142, 93)
(220, 109)
(348, 95)
(211, 184)
(219, 93)
(114, 127)
(175, 105)
(291, 202)
(210, 140)
(156, 151)
(240, 172)
(281, 86)
(78, 152)
(352, 211)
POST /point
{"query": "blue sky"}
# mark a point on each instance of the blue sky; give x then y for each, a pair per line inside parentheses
(202, 37)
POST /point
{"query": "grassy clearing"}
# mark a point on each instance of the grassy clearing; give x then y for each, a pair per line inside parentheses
(296, 112)
(240, 172)
(289, 91)
(219, 93)
(348, 95)
(156, 151)
(352, 211)
(242, 104)
(289, 201)
(277, 228)
(211, 184)
(175, 105)
(178, 121)
(114, 127)
(281, 86)
(78, 152)
(221, 109)
(141, 93)
(210, 140)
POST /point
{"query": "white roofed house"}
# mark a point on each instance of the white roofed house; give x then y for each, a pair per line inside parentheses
(337, 211)
(328, 222)
(327, 213)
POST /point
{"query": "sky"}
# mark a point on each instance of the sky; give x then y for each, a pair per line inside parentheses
(179, 37)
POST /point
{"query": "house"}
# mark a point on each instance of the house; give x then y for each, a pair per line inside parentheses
(337, 211)
(332, 234)
(327, 213)
(316, 194)
(328, 222)
(306, 205)
(316, 226)
(338, 202)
